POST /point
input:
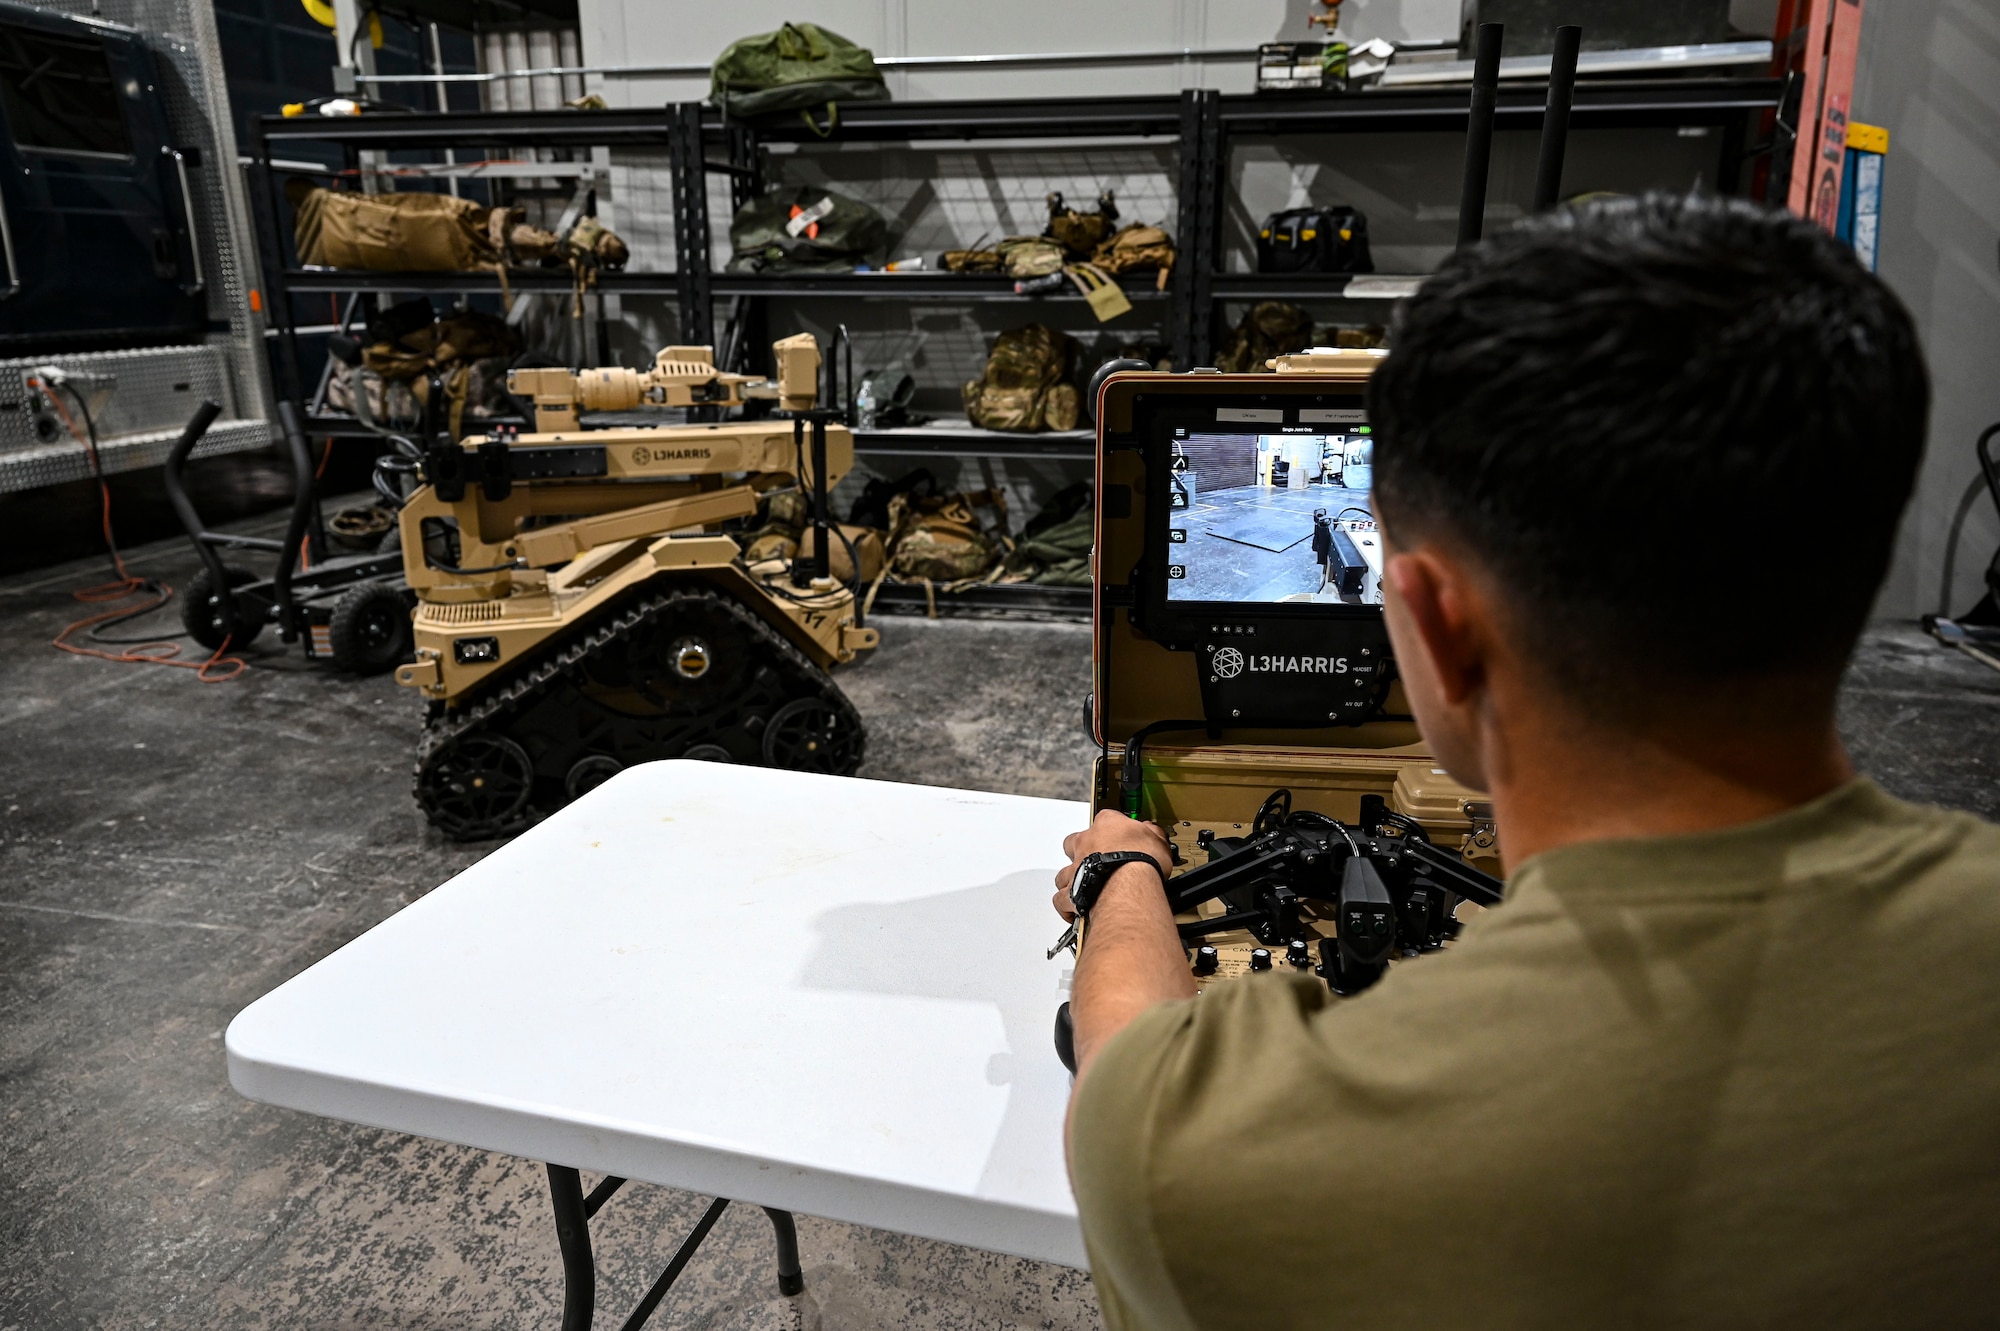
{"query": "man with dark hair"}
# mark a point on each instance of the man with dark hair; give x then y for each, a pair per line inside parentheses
(1729, 1055)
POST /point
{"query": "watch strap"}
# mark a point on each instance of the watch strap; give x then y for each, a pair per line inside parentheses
(1096, 869)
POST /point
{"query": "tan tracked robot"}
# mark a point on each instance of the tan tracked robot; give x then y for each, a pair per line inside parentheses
(579, 608)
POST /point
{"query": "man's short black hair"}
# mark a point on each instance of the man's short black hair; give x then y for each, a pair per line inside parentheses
(1682, 430)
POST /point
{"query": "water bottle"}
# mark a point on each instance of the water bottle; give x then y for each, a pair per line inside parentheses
(864, 404)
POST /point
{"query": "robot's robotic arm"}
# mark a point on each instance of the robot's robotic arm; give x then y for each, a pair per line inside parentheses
(679, 377)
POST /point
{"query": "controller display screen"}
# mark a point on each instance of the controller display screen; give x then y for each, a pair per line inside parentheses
(1275, 516)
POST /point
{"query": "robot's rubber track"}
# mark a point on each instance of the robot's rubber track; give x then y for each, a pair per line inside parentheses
(680, 674)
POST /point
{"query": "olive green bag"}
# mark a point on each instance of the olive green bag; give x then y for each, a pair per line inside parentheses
(799, 67)
(806, 229)
(1054, 549)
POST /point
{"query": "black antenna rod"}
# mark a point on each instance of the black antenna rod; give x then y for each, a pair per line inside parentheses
(1555, 120)
(1479, 133)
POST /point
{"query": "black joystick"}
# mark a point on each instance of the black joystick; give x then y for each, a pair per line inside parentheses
(1206, 959)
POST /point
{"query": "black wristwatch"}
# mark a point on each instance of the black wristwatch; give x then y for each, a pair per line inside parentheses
(1095, 870)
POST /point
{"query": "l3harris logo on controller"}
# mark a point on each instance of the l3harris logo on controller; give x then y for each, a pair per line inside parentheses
(1228, 663)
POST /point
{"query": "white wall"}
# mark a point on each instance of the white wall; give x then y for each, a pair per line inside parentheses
(640, 32)
(1930, 73)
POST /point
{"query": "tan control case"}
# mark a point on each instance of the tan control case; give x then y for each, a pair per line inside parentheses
(1192, 782)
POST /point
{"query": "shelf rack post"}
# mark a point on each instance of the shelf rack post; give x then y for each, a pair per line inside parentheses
(746, 170)
(268, 226)
(1200, 147)
(743, 333)
(691, 241)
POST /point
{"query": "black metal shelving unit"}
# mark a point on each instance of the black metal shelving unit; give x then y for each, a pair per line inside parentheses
(701, 141)
(435, 131)
(1202, 123)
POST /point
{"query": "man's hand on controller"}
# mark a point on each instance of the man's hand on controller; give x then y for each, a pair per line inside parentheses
(1109, 831)
(1133, 957)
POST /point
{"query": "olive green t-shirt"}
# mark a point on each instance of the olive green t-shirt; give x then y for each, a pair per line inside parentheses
(1748, 1078)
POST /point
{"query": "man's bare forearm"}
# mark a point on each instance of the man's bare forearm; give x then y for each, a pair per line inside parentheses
(1131, 958)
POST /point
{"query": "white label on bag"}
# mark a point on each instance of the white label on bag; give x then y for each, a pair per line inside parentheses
(807, 216)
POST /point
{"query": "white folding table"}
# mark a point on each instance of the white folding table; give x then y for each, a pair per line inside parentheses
(812, 993)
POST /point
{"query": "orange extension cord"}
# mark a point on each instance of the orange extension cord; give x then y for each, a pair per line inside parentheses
(217, 669)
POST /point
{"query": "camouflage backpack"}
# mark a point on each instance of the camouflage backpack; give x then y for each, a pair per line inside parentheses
(785, 531)
(939, 538)
(467, 350)
(1271, 328)
(1028, 383)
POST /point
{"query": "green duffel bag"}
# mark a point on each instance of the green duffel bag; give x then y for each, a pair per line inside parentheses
(799, 67)
(1054, 549)
(803, 230)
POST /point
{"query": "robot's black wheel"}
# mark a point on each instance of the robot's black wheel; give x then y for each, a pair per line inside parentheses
(709, 753)
(370, 630)
(812, 735)
(588, 773)
(202, 615)
(477, 787)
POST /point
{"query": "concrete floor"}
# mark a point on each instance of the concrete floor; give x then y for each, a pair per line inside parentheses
(1267, 554)
(171, 850)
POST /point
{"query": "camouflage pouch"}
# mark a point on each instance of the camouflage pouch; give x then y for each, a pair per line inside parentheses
(1137, 249)
(486, 388)
(1081, 233)
(970, 261)
(1030, 256)
(592, 244)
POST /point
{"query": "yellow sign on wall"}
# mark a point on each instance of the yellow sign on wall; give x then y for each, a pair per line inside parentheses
(1868, 138)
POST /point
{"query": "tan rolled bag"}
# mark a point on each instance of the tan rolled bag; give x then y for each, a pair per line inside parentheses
(396, 233)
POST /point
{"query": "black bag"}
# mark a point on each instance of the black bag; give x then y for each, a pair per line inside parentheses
(1314, 240)
(871, 506)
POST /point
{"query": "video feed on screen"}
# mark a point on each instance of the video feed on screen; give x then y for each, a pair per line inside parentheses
(1274, 518)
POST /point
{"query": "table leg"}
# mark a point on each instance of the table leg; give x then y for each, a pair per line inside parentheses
(791, 1278)
(573, 1212)
(573, 1233)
